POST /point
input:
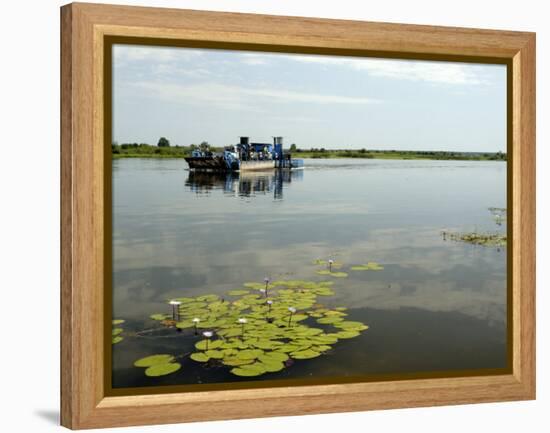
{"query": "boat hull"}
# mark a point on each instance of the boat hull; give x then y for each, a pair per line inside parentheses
(215, 163)
(257, 165)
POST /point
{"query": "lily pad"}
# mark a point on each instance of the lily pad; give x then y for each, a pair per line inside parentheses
(230, 332)
(272, 365)
(264, 344)
(347, 334)
(236, 362)
(329, 320)
(332, 274)
(288, 348)
(117, 339)
(370, 266)
(215, 354)
(162, 369)
(305, 354)
(206, 344)
(250, 354)
(273, 356)
(255, 286)
(208, 298)
(199, 357)
(324, 339)
(322, 348)
(238, 292)
(118, 321)
(255, 369)
(184, 300)
(349, 325)
(149, 361)
(116, 331)
(185, 324)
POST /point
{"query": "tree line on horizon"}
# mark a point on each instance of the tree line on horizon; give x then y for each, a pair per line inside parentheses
(164, 148)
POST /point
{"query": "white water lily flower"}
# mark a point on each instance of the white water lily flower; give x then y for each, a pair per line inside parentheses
(331, 261)
(174, 302)
(292, 309)
(266, 279)
(196, 320)
(269, 302)
(242, 320)
(208, 334)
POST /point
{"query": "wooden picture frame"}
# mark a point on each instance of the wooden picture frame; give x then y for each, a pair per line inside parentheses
(85, 326)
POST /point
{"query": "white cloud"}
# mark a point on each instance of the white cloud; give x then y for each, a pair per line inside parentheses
(414, 70)
(254, 59)
(236, 97)
(155, 55)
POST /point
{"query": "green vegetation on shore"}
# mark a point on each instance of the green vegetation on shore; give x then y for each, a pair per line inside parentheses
(400, 154)
(165, 150)
(162, 150)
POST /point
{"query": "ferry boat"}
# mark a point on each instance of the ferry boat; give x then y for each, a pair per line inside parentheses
(246, 156)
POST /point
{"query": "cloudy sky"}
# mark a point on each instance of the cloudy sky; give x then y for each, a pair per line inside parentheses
(192, 95)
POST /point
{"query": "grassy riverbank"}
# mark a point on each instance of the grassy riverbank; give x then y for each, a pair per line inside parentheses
(143, 150)
(400, 154)
(134, 150)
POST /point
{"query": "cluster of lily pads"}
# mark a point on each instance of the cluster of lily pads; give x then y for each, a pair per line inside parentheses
(485, 239)
(331, 268)
(158, 365)
(261, 328)
(117, 331)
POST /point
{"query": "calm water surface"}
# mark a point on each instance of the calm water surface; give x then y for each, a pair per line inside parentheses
(437, 305)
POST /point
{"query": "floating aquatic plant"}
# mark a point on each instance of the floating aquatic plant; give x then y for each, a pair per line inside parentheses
(148, 361)
(370, 266)
(158, 365)
(332, 274)
(162, 369)
(485, 239)
(497, 240)
(116, 331)
(258, 335)
(330, 264)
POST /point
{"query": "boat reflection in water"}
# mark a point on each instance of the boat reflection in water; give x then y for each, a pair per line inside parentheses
(243, 184)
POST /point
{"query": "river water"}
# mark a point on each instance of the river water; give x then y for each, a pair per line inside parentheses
(437, 306)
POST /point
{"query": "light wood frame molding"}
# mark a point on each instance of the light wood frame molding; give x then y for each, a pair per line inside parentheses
(84, 403)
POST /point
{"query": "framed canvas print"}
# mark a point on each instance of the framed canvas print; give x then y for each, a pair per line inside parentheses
(265, 215)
